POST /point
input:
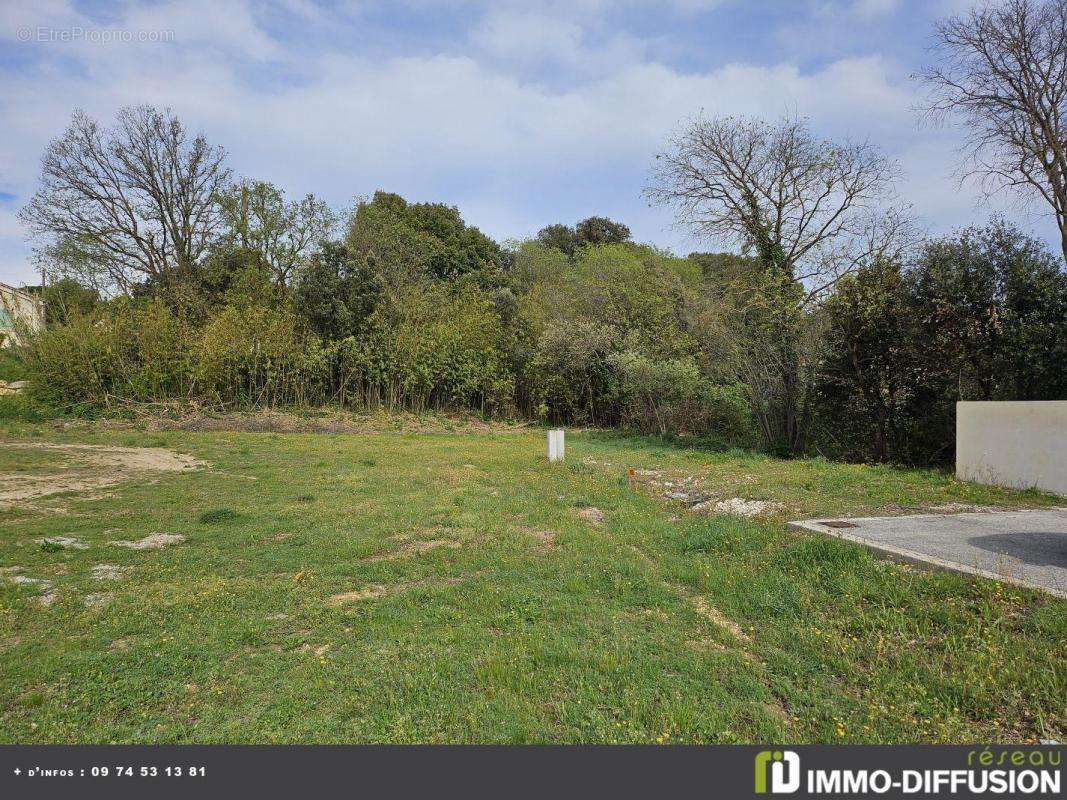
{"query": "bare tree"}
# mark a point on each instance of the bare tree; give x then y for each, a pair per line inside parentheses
(810, 210)
(257, 217)
(888, 235)
(137, 200)
(775, 189)
(1002, 68)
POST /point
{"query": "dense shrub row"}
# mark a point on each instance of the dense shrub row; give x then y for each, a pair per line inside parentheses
(584, 339)
(413, 309)
(441, 352)
(980, 315)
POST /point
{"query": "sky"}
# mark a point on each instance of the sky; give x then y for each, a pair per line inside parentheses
(522, 114)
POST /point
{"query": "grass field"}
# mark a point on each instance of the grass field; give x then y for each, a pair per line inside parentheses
(454, 587)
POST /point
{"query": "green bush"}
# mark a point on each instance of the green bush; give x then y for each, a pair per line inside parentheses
(22, 407)
(65, 298)
(257, 356)
(141, 351)
(12, 365)
(671, 396)
(126, 352)
(568, 378)
(584, 313)
(428, 347)
(978, 315)
(615, 334)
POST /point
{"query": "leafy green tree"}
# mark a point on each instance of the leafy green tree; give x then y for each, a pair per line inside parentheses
(590, 231)
(65, 298)
(991, 303)
(600, 230)
(560, 237)
(334, 293)
(236, 276)
(979, 315)
(609, 330)
(869, 366)
(400, 241)
(256, 216)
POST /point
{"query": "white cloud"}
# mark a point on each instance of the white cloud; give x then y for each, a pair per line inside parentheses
(224, 27)
(527, 36)
(228, 28)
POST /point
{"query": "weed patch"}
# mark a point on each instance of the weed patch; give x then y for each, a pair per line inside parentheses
(216, 515)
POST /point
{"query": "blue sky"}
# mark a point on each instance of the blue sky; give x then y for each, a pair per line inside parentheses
(520, 113)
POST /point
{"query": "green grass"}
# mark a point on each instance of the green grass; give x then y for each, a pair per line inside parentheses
(483, 609)
(217, 515)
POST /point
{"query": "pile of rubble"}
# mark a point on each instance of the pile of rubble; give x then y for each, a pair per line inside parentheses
(690, 490)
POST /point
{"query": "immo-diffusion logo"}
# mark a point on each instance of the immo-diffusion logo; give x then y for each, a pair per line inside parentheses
(1019, 771)
(784, 769)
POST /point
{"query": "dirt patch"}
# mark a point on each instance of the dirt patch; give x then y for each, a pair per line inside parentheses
(707, 646)
(99, 598)
(646, 473)
(367, 593)
(26, 580)
(88, 467)
(13, 387)
(736, 507)
(413, 549)
(377, 590)
(777, 709)
(683, 488)
(545, 539)
(702, 494)
(106, 572)
(47, 596)
(709, 612)
(155, 541)
(274, 421)
(63, 541)
(594, 516)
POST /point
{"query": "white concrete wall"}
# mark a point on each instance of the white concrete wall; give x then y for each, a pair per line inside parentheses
(1017, 444)
(23, 309)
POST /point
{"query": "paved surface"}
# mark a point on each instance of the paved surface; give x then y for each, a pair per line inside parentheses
(1028, 548)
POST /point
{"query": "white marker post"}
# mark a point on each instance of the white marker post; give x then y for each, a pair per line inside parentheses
(555, 445)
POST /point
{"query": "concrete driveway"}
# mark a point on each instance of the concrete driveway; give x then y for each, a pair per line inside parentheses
(1026, 548)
